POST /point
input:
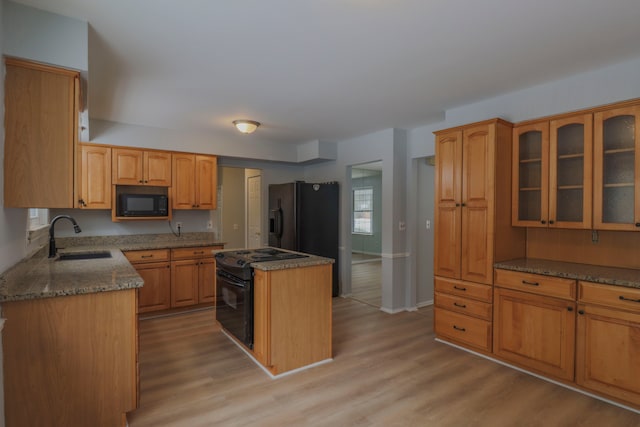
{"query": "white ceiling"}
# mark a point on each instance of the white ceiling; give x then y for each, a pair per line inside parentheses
(332, 69)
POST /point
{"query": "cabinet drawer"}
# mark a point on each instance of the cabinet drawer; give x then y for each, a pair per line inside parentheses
(193, 252)
(464, 329)
(147, 256)
(465, 289)
(462, 305)
(609, 295)
(536, 283)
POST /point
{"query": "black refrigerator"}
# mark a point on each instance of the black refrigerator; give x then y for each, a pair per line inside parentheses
(304, 217)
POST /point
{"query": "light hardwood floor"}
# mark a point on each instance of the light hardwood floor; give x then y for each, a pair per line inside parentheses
(387, 371)
(366, 282)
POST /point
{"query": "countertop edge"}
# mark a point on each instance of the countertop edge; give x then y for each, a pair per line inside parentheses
(614, 276)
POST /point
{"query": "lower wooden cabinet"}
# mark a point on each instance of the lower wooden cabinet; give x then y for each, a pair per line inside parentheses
(463, 313)
(70, 361)
(467, 330)
(292, 317)
(184, 282)
(193, 276)
(608, 341)
(174, 278)
(154, 268)
(535, 331)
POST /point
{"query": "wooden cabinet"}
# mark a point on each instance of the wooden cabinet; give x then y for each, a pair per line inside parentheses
(195, 181)
(70, 361)
(95, 177)
(608, 341)
(141, 167)
(154, 268)
(41, 123)
(464, 312)
(184, 283)
(552, 164)
(292, 317)
(616, 170)
(473, 201)
(533, 329)
(193, 275)
(174, 278)
(473, 205)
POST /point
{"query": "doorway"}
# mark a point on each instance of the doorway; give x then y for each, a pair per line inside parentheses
(238, 218)
(366, 233)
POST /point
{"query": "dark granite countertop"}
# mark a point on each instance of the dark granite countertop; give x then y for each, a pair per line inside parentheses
(41, 277)
(292, 263)
(627, 277)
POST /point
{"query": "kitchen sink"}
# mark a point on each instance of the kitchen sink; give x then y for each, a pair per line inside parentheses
(84, 255)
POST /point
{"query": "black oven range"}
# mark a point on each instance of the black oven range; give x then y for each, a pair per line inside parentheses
(234, 288)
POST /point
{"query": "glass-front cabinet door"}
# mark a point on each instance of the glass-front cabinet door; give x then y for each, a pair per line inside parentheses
(530, 169)
(570, 165)
(616, 195)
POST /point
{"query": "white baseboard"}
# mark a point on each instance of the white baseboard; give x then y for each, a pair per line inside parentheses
(425, 303)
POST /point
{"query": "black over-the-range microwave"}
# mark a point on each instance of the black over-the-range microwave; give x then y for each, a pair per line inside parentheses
(142, 205)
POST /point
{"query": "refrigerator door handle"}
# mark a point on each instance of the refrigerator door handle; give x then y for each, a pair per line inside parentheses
(275, 222)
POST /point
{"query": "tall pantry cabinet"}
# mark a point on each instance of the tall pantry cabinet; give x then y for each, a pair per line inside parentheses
(473, 228)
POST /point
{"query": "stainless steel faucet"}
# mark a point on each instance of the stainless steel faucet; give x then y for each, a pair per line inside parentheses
(52, 240)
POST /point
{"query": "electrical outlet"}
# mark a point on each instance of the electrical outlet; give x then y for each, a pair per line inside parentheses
(179, 225)
(209, 225)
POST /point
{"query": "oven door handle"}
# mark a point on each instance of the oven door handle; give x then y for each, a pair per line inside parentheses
(230, 279)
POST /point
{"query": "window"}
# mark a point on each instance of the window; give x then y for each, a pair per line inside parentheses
(363, 210)
(38, 218)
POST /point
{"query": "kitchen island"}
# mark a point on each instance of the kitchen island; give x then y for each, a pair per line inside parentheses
(291, 313)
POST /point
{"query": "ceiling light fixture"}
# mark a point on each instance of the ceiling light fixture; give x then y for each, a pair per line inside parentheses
(246, 126)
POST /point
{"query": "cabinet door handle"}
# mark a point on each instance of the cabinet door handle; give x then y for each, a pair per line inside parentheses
(637, 224)
(457, 204)
(464, 204)
(459, 288)
(525, 282)
(81, 202)
(457, 328)
(551, 221)
(141, 182)
(623, 298)
(580, 311)
(460, 305)
(543, 222)
(569, 308)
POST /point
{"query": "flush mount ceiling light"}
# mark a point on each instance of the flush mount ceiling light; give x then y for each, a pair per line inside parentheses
(246, 126)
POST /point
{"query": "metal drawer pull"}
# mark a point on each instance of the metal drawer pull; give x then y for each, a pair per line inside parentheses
(629, 299)
(459, 329)
(524, 282)
(146, 256)
(459, 305)
(458, 288)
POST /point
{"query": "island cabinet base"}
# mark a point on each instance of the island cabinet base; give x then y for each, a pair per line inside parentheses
(292, 317)
(70, 361)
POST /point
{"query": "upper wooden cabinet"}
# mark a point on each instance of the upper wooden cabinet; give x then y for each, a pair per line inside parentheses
(552, 163)
(94, 189)
(41, 132)
(473, 201)
(141, 167)
(616, 171)
(195, 181)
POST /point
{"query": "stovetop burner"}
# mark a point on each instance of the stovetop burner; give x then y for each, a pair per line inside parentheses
(243, 258)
